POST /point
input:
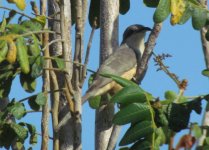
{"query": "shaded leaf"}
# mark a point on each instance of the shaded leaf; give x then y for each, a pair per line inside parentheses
(16, 28)
(94, 12)
(32, 103)
(162, 11)
(199, 18)
(27, 82)
(142, 145)
(3, 25)
(20, 131)
(205, 72)
(186, 15)
(3, 50)
(124, 6)
(33, 135)
(17, 109)
(32, 25)
(151, 3)
(60, 63)
(132, 113)
(129, 95)
(176, 120)
(37, 67)
(136, 132)
(22, 54)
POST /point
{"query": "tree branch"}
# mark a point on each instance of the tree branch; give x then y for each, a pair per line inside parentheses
(143, 62)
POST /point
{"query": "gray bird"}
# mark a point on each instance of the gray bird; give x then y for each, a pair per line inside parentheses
(122, 62)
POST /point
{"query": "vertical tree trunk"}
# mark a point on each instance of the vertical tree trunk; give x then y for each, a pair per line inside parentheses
(109, 11)
(46, 83)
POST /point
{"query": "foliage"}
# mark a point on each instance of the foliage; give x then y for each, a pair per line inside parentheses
(150, 118)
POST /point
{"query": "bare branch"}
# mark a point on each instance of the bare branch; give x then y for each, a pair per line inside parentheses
(113, 138)
(46, 83)
(143, 62)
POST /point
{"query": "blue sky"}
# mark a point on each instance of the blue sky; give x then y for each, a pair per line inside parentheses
(182, 42)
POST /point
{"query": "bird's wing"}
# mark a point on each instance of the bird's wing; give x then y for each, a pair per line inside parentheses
(121, 61)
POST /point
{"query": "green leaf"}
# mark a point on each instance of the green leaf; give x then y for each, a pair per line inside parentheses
(151, 3)
(37, 67)
(170, 95)
(199, 18)
(20, 131)
(207, 35)
(142, 145)
(16, 28)
(124, 6)
(17, 109)
(132, 113)
(178, 116)
(186, 15)
(60, 63)
(160, 137)
(34, 47)
(94, 12)
(129, 95)
(7, 135)
(3, 25)
(205, 72)
(32, 25)
(124, 148)
(197, 131)
(207, 140)
(27, 82)
(32, 103)
(41, 99)
(94, 102)
(3, 50)
(33, 135)
(162, 11)
(122, 81)
(136, 132)
(19, 145)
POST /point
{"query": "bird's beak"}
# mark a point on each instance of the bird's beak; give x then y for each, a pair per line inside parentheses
(147, 29)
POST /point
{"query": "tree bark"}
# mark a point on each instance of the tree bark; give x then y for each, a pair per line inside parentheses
(109, 11)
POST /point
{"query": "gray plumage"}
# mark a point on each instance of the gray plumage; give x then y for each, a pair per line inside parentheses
(122, 60)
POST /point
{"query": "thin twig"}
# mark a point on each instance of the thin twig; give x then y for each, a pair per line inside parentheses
(165, 69)
(22, 100)
(18, 12)
(51, 138)
(47, 17)
(52, 42)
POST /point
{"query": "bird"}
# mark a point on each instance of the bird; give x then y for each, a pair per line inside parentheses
(122, 62)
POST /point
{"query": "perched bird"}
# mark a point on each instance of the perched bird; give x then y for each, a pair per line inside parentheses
(122, 62)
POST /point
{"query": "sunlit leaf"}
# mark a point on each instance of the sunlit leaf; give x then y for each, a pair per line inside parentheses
(19, 3)
(129, 95)
(17, 109)
(122, 81)
(162, 11)
(197, 131)
(177, 10)
(41, 99)
(170, 95)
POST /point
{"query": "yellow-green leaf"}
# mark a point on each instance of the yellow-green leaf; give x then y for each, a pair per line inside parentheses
(19, 3)
(177, 10)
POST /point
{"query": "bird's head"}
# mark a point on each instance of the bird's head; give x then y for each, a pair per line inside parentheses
(134, 37)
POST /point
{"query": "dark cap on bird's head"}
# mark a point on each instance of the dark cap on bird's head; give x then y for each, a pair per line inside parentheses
(136, 28)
